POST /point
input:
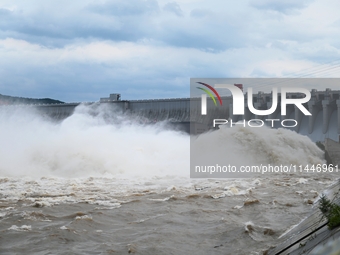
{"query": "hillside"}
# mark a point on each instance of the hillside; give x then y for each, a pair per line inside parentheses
(7, 100)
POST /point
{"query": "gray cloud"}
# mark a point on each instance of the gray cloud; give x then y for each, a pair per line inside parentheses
(83, 50)
(200, 13)
(173, 7)
(4, 12)
(283, 6)
(114, 20)
(118, 21)
(125, 8)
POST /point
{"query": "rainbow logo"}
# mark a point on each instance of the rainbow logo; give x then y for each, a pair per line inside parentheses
(209, 93)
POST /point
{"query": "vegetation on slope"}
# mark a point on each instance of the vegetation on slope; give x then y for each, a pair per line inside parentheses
(8, 100)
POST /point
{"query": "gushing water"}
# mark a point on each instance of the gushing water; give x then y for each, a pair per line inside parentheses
(98, 182)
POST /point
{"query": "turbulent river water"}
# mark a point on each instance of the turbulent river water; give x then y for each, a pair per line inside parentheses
(88, 185)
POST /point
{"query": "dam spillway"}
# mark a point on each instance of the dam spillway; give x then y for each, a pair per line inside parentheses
(186, 112)
(323, 105)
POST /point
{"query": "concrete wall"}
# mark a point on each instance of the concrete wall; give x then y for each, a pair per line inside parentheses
(333, 150)
(57, 111)
(324, 107)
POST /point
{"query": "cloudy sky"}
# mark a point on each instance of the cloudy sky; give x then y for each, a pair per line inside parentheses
(82, 50)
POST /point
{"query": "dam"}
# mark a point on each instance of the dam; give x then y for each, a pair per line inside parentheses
(185, 113)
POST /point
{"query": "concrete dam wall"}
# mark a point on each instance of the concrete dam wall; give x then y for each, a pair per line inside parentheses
(323, 105)
(186, 112)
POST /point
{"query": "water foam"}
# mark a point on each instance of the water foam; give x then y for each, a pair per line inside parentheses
(97, 141)
(88, 144)
(248, 146)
